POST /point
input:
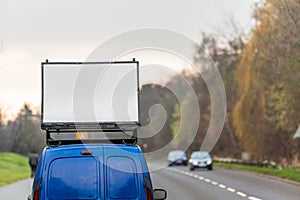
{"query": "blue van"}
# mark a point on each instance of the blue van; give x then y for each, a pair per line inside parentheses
(92, 152)
(93, 171)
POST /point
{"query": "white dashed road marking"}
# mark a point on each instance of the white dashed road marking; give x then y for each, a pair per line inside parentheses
(241, 194)
(253, 198)
(222, 186)
(231, 189)
(207, 180)
(214, 183)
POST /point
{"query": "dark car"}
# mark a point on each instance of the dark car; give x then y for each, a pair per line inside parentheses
(200, 159)
(177, 157)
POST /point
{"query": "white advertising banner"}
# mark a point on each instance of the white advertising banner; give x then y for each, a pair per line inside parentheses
(92, 92)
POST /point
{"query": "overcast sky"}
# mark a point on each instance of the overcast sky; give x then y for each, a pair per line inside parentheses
(69, 30)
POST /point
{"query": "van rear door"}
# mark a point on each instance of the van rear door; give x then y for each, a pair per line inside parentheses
(74, 173)
(124, 177)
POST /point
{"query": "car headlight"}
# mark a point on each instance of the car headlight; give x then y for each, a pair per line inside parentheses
(209, 162)
(195, 162)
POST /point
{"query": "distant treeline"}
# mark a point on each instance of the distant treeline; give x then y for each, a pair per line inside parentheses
(261, 74)
(23, 134)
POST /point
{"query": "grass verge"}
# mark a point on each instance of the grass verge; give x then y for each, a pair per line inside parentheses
(13, 167)
(287, 173)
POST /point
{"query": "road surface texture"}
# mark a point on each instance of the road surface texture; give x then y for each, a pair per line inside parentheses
(16, 191)
(221, 184)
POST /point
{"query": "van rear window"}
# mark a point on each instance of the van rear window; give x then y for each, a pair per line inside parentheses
(122, 179)
(73, 178)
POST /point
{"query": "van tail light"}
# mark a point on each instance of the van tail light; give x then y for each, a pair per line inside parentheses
(37, 190)
(148, 188)
(149, 195)
(37, 195)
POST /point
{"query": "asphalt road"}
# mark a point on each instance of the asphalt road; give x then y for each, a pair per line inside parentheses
(221, 184)
(16, 191)
(180, 183)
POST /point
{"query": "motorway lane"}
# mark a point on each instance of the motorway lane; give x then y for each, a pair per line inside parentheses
(180, 186)
(256, 185)
(221, 184)
(17, 191)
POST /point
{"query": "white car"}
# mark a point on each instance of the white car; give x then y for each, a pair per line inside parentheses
(200, 159)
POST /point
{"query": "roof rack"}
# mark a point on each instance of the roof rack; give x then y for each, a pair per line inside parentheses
(66, 83)
(66, 137)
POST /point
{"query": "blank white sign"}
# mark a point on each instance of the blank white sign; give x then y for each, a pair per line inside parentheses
(90, 92)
